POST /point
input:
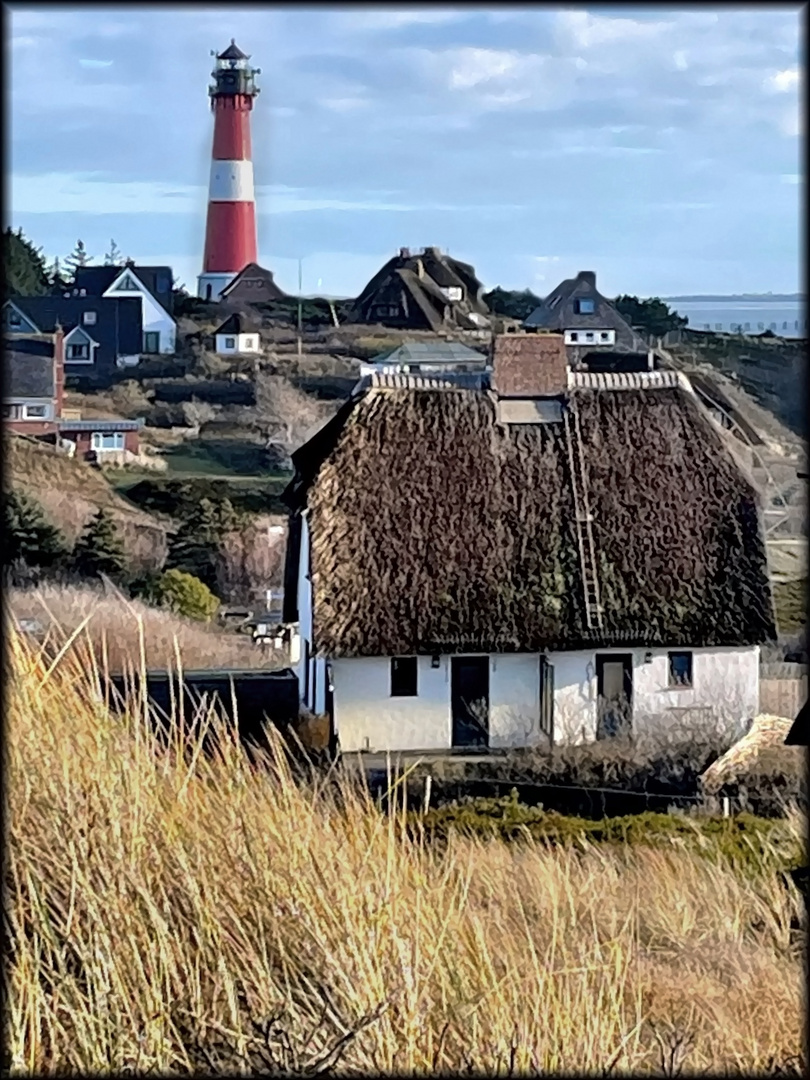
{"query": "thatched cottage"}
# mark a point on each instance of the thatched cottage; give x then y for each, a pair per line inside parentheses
(532, 554)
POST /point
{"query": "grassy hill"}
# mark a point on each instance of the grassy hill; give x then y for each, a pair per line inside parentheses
(70, 491)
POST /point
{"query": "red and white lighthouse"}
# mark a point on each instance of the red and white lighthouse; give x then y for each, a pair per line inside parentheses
(230, 232)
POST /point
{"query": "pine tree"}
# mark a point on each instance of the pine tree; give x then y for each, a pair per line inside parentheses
(114, 256)
(99, 549)
(27, 534)
(78, 257)
(57, 281)
(195, 546)
(23, 265)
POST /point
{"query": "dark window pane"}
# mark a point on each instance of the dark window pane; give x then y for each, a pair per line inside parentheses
(403, 676)
(680, 669)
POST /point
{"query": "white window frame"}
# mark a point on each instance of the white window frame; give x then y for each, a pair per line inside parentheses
(230, 343)
(89, 318)
(86, 357)
(36, 412)
(98, 437)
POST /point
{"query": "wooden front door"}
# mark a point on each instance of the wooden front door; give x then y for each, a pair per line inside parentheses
(614, 695)
(469, 700)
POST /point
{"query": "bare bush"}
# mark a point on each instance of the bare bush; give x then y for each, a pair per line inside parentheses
(284, 414)
(251, 560)
(196, 413)
(130, 399)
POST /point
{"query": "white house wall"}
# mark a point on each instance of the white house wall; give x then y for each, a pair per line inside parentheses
(304, 605)
(155, 317)
(724, 691)
(725, 694)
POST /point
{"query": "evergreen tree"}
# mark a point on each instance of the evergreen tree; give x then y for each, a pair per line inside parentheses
(651, 316)
(78, 257)
(57, 281)
(27, 534)
(195, 546)
(513, 304)
(114, 256)
(99, 549)
(23, 265)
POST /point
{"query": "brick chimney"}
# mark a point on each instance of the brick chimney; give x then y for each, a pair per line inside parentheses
(529, 365)
(58, 370)
(587, 276)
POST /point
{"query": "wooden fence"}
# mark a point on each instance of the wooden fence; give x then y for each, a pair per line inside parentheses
(782, 689)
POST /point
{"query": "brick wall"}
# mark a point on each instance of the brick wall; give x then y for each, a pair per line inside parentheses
(529, 365)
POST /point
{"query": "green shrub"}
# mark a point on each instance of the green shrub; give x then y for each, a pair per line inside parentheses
(28, 536)
(100, 549)
(183, 594)
(748, 842)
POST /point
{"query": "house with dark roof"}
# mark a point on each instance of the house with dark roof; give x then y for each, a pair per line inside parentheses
(33, 382)
(546, 555)
(33, 397)
(424, 291)
(102, 335)
(588, 320)
(428, 357)
(252, 285)
(238, 335)
(150, 285)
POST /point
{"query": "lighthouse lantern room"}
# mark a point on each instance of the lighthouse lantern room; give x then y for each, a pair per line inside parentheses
(230, 234)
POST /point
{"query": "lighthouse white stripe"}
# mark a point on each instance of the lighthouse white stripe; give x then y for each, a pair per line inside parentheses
(231, 181)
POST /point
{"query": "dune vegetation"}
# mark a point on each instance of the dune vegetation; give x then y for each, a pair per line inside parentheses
(174, 912)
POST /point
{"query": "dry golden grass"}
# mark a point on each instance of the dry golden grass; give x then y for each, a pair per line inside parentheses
(173, 913)
(120, 629)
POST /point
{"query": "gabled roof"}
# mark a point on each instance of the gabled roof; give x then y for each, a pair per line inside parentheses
(157, 280)
(430, 352)
(558, 312)
(239, 323)
(30, 368)
(436, 529)
(253, 271)
(119, 322)
(424, 276)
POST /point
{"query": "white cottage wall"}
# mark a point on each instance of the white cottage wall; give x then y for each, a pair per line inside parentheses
(514, 700)
(304, 607)
(367, 717)
(723, 696)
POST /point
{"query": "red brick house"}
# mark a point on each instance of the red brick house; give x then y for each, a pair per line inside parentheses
(33, 397)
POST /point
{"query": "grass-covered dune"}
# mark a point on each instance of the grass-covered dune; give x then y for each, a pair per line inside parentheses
(178, 913)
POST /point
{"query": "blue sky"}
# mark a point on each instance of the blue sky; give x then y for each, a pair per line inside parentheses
(658, 146)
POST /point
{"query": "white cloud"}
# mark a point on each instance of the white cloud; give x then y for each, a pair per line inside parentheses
(96, 63)
(782, 82)
(474, 66)
(586, 31)
(388, 19)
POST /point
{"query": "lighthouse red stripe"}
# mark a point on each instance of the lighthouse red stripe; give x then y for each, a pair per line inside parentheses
(231, 131)
(230, 237)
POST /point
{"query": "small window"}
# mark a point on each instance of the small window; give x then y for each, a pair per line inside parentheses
(584, 306)
(604, 336)
(14, 318)
(36, 412)
(89, 318)
(573, 336)
(107, 440)
(589, 335)
(554, 301)
(78, 352)
(259, 284)
(403, 676)
(230, 343)
(82, 292)
(151, 341)
(680, 669)
(249, 283)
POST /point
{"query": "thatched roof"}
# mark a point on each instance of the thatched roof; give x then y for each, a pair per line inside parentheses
(435, 529)
(762, 749)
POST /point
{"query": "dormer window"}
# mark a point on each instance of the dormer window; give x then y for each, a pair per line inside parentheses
(585, 305)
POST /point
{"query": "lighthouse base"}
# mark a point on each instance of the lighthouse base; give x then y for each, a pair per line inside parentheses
(210, 286)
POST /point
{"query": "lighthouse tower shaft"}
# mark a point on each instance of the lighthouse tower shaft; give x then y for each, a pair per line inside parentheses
(230, 233)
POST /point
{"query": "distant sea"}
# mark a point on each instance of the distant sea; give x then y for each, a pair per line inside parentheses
(786, 316)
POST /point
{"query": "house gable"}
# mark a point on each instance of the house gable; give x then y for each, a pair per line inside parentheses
(16, 321)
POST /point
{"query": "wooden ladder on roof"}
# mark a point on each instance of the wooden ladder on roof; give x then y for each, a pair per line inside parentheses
(583, 516)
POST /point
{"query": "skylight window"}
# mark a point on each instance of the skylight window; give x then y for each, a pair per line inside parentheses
(585, 306)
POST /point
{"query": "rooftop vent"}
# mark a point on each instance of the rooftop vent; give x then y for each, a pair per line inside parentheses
(404, 253)
(588, 276)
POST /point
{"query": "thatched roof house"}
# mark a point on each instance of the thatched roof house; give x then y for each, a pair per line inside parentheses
(427, 290)
(436, 522)
(762, 751)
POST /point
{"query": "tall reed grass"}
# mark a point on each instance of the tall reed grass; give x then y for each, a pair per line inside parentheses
(173, 912)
